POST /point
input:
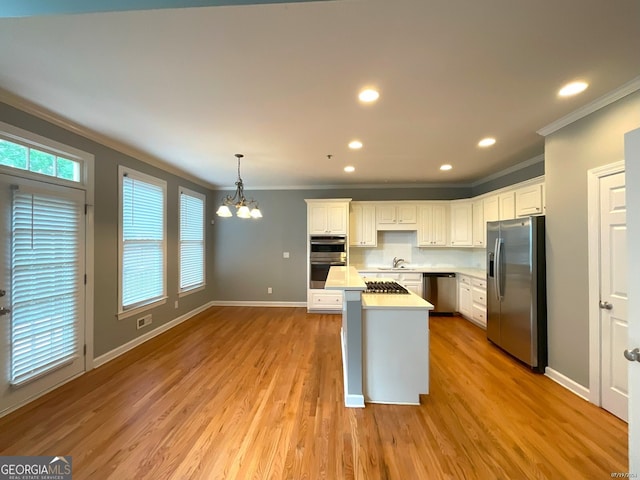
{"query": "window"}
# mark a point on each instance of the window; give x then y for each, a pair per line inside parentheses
(192, 208)
(47, 267)
(23, 157)
(142, 241)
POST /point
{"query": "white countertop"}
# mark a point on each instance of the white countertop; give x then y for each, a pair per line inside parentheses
(383, 301)
(344, 278)
(472, 272)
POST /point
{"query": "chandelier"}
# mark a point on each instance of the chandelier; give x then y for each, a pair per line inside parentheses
(244, 208)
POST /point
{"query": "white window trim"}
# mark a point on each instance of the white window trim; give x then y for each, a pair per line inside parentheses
(203, 285)
(37, 142)
(122, 171)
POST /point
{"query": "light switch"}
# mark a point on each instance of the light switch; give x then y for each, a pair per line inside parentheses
(285, 254)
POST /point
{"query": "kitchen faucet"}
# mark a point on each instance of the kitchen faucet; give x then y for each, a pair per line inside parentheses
(397, 261)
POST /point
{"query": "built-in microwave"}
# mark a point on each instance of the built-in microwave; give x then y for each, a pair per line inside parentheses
(325, 251)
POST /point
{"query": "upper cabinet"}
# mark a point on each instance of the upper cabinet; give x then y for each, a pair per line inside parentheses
(529, 200)
(461, 224)
(491, 209)
(479, 232)
(396, 216)
(328, 216)
(433, 224)
(507, 205)
(362, 225)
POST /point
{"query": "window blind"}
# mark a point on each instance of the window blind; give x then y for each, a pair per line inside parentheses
(142, 242)
(45, 282)
(191, 240)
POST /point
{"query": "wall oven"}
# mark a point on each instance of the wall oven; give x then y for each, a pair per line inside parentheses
(325, 251)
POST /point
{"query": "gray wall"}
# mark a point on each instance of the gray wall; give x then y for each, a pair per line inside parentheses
(109, 332)
(590, 142)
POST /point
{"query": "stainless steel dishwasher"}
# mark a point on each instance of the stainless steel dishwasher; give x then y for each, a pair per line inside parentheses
(440, 290)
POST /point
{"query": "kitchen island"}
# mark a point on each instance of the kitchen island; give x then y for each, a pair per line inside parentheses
(385, 342)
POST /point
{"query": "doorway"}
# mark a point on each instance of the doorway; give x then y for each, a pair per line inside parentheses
(42, 287)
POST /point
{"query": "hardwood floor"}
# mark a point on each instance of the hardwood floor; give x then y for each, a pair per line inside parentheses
(256, 393)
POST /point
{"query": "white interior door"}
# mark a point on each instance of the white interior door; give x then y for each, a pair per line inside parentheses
(42, 269)
(632, 161)
(613, 294)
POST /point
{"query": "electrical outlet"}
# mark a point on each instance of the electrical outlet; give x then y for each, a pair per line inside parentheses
(144, 321)
(175, 304)
(269, 290)
(285, 254)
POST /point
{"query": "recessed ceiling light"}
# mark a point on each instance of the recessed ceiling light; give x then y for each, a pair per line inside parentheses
(349, 169)
(368, 95)
(486, 142)
(445, 167)
(573, 88)
(355, 144)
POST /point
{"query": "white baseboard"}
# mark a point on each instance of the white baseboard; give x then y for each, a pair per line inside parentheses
(567, 383)
(116, 352)
(245, 303)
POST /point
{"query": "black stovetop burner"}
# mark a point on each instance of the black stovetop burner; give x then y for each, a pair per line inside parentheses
(385, 287)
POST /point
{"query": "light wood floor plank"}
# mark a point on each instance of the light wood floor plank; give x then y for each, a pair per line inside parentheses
(254, 393)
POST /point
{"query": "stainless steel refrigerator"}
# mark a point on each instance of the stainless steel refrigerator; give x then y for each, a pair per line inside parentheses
(516, 289)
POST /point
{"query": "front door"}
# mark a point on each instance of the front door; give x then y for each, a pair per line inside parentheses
(613, 294)
(42, 318)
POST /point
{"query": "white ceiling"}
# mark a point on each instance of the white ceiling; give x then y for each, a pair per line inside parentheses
(279, 82)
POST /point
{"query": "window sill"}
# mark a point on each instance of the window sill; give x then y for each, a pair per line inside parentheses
(140, 309)
(184, 293)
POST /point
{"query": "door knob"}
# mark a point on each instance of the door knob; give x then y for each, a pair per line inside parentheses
(4, 311)
(633, 355)
(606, 305)
(3, 293)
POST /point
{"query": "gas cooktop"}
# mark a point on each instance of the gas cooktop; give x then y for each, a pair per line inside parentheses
(385, 287)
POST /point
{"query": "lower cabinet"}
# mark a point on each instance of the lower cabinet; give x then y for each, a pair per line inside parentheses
(479, 298)
(465, 302)
(472, 299)
(322, 300)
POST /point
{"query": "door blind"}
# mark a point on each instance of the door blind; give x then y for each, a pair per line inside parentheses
(142, 242)
(45, 284)
(191, 241)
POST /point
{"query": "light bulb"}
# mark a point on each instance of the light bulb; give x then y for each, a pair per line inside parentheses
(243, 212)
(256, 213)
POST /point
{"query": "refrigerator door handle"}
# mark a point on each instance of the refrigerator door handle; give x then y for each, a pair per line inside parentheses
(497, 279)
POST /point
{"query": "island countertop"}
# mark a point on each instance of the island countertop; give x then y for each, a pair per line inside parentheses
(383, 301)
(344, 278)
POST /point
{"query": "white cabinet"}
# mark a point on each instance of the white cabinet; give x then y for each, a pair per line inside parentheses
(411, 281)
(491, 207)
(479, 233)
(529, 201)
(461, 224)
(479, 301)
(323, 300)
(465, 301)
(432, 225)
(362, 225)
(327, 217)
(507, 207)
(396, 216)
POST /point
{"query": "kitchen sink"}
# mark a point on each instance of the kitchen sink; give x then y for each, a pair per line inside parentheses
(396, 269)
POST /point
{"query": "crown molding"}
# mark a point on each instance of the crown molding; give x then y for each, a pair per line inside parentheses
(59, 121)
(507, 171)
(607, 99)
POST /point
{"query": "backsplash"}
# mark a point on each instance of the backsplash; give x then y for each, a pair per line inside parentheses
(404, 245)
